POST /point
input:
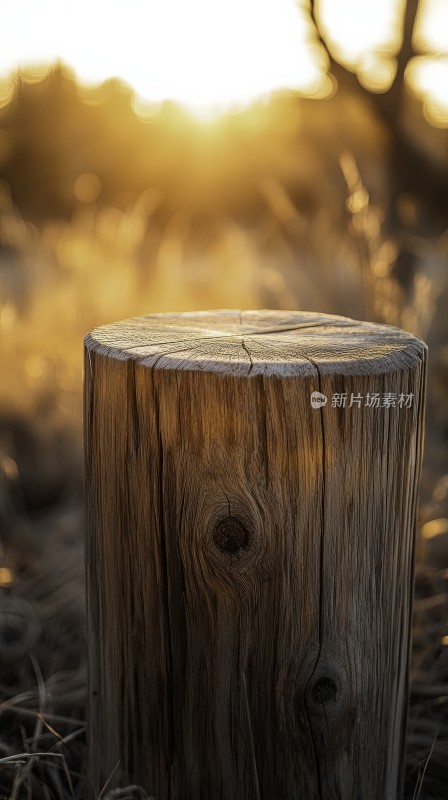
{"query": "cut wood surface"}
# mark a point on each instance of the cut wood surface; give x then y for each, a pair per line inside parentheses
(249, 556)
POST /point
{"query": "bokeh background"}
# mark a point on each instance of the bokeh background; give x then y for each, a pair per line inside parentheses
(289, 155)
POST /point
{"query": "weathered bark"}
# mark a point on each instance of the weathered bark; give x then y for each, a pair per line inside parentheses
(250, 557)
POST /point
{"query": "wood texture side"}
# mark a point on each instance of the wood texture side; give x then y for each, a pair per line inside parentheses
(278, 670)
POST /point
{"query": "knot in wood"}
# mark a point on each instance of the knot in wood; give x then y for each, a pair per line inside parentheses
(324, 691)
(230, 535)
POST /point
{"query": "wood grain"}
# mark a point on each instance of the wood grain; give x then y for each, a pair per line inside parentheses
(250, 557)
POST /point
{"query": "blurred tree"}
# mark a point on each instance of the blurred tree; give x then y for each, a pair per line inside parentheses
(416, 169)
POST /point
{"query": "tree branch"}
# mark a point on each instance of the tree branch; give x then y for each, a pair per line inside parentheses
(385, 102)
(407, 50)
(342, 74)
(414, 171)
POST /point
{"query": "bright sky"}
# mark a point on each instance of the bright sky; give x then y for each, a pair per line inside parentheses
(196, 51)
(213, 53)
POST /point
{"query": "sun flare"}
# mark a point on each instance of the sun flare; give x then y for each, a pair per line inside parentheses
(209, 55)
(202, 53)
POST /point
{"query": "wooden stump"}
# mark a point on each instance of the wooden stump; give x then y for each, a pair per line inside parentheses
(250, 553)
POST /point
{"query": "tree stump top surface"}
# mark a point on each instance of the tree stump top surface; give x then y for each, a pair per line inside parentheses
(261, 342)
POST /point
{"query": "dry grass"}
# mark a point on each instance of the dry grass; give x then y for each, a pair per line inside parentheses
(43, 677)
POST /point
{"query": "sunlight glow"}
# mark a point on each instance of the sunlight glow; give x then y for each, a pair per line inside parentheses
(6, 576)
(429, 79)
(210, 55)
(432, 26)
(435, 527)
(200, 53)
(355, 29)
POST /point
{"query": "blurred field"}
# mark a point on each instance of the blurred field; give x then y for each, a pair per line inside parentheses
(110, 210)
